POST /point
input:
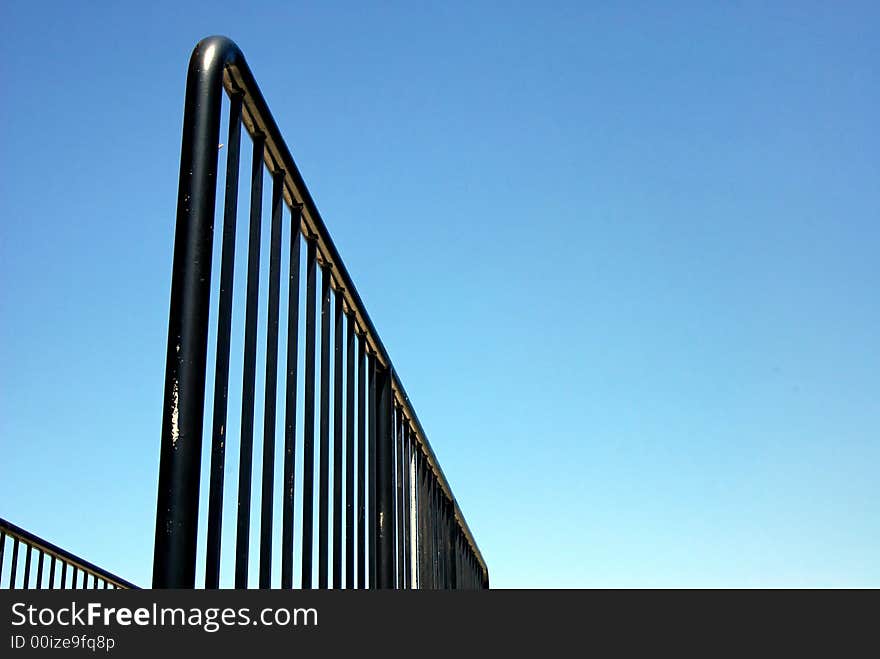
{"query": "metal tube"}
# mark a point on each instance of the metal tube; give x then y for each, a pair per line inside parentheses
(40, 569)
(450, 533)
(177, 507)
(424, 546)
(271, 391)
(432, 546)
(290, 405)
(338, 441)
(52, 574)
(324, 473)
(435, 535)
(362, 466)
(444, 544)
(349, 453)
(27, 567)
(412, 515)
(459, 542)
(309, 420)
(224, 329)
(464, 566)
(371, 457)
(450, 548)
(419, 531)
(459, 560)
(441, 539)
(398, 485)
(407, 548)
(435, 544)
(429, 560)
(384, 479)
(246, 448)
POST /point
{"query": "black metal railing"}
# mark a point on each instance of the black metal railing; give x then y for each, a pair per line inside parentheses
(384, 515)
(31, 562)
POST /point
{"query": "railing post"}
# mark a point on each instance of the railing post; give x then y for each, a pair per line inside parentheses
(384, 479)
(450, 549)
(174, 554)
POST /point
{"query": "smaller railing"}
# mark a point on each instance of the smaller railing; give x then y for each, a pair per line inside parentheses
(38, 564)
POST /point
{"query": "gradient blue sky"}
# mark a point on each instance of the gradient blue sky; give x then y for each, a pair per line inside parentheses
(623, 255)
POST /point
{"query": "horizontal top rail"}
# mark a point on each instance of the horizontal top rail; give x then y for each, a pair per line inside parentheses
(29, 538)
(220, 56)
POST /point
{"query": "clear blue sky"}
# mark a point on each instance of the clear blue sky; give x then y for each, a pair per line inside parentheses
(624, 257)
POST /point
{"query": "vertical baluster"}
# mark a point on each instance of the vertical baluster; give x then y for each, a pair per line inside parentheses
(441, 558)
(450, 539)
(14, 566)
(447, 563)
(271, 390)
(405, 435)
(443, 540)
(245, 463)
(435, 520)
(309, 419)
(441, 523)
(456, 548)
(398, 483)
(290, 405)
(426, 536)
(362, 465)
(385, 478)
(338, 440)
(349, 453)
(27, 567)
(224, 329)
(371, 458)
(324, 468)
